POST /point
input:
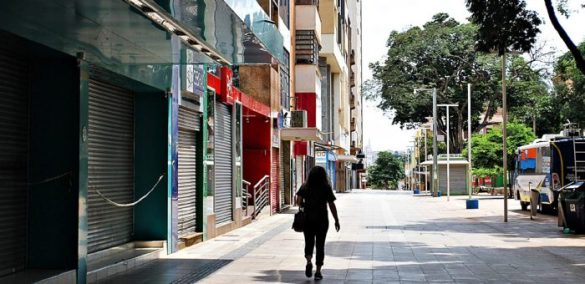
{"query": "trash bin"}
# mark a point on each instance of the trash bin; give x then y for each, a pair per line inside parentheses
(572, 201)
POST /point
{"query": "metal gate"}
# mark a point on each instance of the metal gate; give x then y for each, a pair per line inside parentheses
(14, 140)
(274, 181)
(188, 125)
(111, 165)
(223, 165)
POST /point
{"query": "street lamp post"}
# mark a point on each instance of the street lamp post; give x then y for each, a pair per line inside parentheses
(504, 136)
(435, 171)
(426, 155)
(448, 150)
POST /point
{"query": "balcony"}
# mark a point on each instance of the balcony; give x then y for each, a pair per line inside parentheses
(307, 17)
(352, 124)
(352, 101)
(352, 58)
(352, 79)
(307, 47)
(307, 2)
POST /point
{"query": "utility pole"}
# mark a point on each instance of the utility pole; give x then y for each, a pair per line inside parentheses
(504, 136)
(448, 150)
(469, 176)
(435, 177)
(435, 158)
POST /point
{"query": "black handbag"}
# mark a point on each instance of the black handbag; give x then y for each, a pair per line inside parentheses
(299, 221)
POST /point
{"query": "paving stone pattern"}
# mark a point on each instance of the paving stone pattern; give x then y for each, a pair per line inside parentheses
(387, 237)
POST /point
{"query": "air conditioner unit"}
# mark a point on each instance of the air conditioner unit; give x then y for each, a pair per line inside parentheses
(298, 118)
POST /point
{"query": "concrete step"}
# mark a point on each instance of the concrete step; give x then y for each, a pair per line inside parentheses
(119, 259)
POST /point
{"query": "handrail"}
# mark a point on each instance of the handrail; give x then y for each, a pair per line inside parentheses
(245, 195)
(260, 191)
(261, 180)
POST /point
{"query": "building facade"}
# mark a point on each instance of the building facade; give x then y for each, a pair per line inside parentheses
(147, 126)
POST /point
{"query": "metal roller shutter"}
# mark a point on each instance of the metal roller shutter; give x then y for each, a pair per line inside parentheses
(111, 165)
(188, 124)
(274, 179)
(458, 179)
(223, 165)
(14, 139)
(281, 178)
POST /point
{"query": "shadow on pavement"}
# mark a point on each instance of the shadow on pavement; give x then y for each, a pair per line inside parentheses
(171, 271)
(519, 226)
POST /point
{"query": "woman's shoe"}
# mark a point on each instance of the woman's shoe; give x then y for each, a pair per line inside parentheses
(318, 275)
(309, 270)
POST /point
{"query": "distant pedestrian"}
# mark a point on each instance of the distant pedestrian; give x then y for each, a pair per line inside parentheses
(313, 197)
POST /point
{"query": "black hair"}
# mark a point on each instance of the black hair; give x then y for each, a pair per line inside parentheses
(317, 179)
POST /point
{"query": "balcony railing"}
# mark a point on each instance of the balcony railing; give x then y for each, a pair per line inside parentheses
(307, 2)
(307, 47)
(352, 124)
(352, 101)
(352, 79)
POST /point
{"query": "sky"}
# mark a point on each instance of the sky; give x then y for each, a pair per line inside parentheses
(380, 17)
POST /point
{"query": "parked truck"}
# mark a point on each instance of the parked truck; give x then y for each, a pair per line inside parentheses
(548, 164)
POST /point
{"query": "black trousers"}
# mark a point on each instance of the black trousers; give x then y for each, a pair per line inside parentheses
(315, 233)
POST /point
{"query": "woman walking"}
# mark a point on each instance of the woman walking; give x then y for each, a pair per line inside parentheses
(313, 197)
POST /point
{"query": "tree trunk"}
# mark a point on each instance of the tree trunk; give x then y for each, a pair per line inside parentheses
(579, 60)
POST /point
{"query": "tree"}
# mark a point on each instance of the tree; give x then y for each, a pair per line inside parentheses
(529, 98)
(486, 149)
(569, 86)
(440, 54)
(386, 172)
(507, 23)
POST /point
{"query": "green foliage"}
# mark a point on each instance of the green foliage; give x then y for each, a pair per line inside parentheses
(485, 172)
(443, 48)
(569, 85)
(439, 54)
(529, 99)
(386, 172)
(487, 149)
(504, 25)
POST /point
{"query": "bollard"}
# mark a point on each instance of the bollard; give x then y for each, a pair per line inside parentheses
(472, 204)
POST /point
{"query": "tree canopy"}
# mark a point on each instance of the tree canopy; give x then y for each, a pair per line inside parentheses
(569, 86)
(386, 172)
(441, 54)
(486, 149)
(508, 25)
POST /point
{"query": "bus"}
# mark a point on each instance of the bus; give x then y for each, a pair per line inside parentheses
(547, 165)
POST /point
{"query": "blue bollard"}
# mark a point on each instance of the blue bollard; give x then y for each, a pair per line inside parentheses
(439, 194)
(472, 204)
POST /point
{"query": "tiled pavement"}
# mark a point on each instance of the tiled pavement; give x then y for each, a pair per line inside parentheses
(387, 237)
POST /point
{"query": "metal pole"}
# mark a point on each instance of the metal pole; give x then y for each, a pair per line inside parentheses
(448, 159)
(469, 176)
(435, 175)
(504, 136)
(447, 106)
(426, 155)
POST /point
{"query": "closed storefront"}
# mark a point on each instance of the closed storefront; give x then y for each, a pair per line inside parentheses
(274, 181)
(110, 165)
(14, 145)
(458, 178)
(189, 125)
(223, 165)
